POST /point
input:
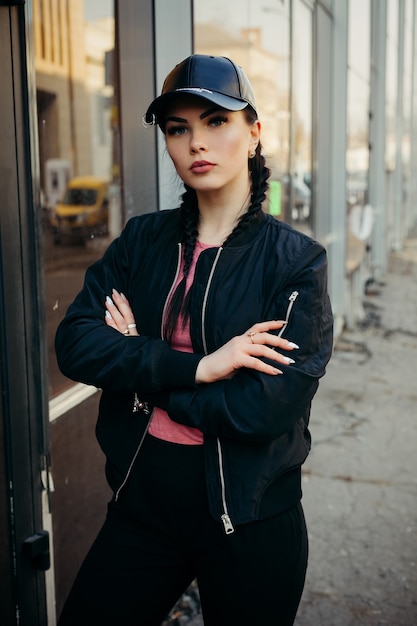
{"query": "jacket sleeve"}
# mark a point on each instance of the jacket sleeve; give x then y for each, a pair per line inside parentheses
(257, 407)
(91, 352)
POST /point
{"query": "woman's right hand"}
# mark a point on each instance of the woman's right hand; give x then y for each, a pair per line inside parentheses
(246, 351)
(119, 314)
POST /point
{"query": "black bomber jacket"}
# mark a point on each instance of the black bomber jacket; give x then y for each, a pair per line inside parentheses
(255, 425)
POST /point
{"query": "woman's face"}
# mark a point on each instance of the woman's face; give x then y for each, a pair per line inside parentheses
(209, 146)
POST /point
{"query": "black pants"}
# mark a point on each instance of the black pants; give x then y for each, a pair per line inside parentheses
(159, 536)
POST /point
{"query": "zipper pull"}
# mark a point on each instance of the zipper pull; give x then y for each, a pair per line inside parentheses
(293, 296)
(138, 405)
(227, 523)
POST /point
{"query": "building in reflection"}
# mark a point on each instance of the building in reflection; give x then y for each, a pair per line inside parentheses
(74, 91)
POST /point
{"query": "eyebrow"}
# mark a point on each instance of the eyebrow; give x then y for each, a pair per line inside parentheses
(182, 120)
(210, 111)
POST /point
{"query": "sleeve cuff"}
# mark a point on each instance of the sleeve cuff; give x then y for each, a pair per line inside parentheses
(178, 369)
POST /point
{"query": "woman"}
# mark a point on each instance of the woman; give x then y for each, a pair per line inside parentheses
(217, 328)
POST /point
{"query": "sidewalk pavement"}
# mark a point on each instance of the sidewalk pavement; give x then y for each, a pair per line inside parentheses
(360, 480)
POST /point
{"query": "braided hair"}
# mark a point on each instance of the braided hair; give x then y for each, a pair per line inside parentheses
(189, 216)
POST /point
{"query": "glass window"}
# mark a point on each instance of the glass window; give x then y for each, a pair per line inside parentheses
(391, 91)
(256, 35)
(78, 148)
(359, 68)
(407, 96)
(78, 130)
(391, 84)
(301, 125)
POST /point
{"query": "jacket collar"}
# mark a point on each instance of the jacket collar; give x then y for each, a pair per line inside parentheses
(248, 234)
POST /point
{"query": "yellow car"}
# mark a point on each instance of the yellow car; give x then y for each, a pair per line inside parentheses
(83, 211)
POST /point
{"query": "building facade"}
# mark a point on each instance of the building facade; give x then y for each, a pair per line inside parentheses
(336, 87)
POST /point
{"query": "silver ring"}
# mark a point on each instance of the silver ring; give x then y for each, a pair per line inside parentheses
(131, 325)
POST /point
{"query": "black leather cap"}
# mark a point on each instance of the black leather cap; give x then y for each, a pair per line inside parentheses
(216, 79)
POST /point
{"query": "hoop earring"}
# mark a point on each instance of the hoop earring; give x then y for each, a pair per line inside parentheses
(146, 124)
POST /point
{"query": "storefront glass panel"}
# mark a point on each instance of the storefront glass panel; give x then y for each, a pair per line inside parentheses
(78, 148)
(301, 144)
(407, 109)
(78, 131)
(256, 35)
(391, 84)
(391, 102)
(359, 68)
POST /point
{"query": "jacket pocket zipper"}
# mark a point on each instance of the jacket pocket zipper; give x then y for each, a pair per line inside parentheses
(292, 298)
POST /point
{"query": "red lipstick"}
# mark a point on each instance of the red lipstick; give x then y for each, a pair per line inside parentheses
(201, 167)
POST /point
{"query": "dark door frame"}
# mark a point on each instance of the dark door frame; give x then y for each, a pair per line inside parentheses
(23, 372)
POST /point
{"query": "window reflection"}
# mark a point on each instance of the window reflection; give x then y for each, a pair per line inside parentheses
(78, 133)
(256, 35)
(357, 158)
(301, 152)
(83, 211)
(407, 98)
(391, 83)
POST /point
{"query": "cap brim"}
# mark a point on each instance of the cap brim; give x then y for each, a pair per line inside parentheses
(155, 112)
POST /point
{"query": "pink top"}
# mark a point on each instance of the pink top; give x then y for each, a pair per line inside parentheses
(162, 425)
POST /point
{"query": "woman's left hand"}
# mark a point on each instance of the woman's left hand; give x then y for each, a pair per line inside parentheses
(246, 351)
(119, 314)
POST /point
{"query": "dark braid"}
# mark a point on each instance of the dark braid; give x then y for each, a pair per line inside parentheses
(259, 183)
(260, 174)
(189, 215)
(189, 222)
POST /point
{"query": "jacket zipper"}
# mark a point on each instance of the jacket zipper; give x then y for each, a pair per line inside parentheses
(129, 471)
(292, 298)
(138, 405)
(203, 314)
(225, 517)
(227, 522)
